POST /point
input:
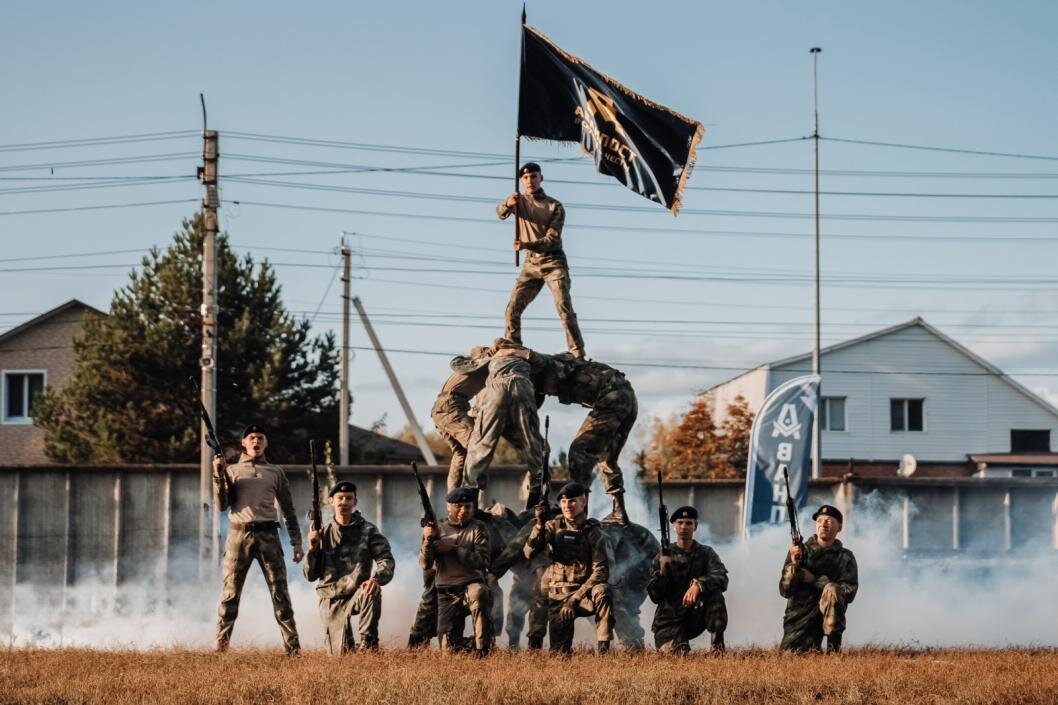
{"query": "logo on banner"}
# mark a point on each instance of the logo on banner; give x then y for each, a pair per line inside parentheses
(787, 424)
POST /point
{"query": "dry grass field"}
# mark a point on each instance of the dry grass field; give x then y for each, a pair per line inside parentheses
(859, 676)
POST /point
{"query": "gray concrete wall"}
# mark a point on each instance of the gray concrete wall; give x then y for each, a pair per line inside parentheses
(63, 526)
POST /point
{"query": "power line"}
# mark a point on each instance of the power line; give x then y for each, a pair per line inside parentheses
(94, 141)
(102, 162)
(100, 207)
(950, 150)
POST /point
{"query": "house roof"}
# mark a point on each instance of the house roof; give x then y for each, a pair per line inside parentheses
(1015, 458)
(71, 305)
(919, 322)
(376, 443)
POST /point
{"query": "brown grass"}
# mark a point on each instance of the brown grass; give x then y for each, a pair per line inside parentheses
(420, 678)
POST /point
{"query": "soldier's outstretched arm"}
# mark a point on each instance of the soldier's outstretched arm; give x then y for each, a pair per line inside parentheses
(290, 516)
(382, 554)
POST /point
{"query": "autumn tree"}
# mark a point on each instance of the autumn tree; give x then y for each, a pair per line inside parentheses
(128, 398)
(692, 446)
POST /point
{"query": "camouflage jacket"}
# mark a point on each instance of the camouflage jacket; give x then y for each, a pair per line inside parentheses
(540, 222)
(829, 565)
(348, 553)
(578, 554)
(586, 381)
(513, 555)
(632, 548)
(699, 562)
(467, 563)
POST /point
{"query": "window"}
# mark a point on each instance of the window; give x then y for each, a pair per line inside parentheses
(1022, 441)
(907, 415)
(832, 414)
(21, 388)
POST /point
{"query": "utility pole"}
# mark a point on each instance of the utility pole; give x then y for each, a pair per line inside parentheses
(209, 520)
(416, 430)
(343, 414)
(817, 435)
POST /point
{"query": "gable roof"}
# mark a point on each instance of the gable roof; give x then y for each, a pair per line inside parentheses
(918, 322)
(71, 305)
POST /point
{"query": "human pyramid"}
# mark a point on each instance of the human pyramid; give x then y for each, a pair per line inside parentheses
(564, 564)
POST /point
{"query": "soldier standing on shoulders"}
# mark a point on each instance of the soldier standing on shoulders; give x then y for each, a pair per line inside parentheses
(540, 221)
(818, 585)
(603, 435)
(340, 558)
(458, 550)
(252, 488)
(576, 578)
(451, 411)
(633, 547)
(688, 588)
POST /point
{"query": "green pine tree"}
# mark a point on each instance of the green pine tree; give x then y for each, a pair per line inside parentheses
(129, 398)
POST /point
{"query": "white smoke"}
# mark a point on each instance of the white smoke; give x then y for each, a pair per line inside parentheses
(905, 602)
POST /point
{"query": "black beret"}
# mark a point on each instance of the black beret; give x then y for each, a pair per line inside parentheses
(684, 513)
(462, 495)
(572, 489)
(529, 168)
(254, 428)
(343, 486)
(828, 511)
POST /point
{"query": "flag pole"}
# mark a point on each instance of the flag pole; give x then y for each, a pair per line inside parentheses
(518, 135)
(816, 362)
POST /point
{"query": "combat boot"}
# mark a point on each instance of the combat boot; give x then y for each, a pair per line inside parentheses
(716, 643)
(603, 648)
(536, 643)
(833, 643)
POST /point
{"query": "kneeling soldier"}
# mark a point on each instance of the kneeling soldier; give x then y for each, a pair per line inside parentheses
(688, 587)
(576, 579)
(818, 586)
(340, 558)
(458, 550)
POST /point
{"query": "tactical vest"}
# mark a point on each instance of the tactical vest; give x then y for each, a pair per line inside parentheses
(572, 547)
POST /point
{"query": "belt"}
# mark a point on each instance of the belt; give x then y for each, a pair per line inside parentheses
(256, 526)
(452, 589)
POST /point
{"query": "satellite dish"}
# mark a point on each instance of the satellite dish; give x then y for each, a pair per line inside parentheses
(907, 465)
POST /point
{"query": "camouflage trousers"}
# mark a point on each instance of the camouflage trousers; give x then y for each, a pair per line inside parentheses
(452, 419)
(675, 626)
(424, 627)
(506, 409)
(336, 614)
(804, 625)
(626, 606)
(526, 598)
(602, 437)
(454, 604)
(598, 604)
(528, 284)
(243, 547)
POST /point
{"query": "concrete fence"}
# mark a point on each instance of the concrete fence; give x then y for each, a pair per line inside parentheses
(62, 525)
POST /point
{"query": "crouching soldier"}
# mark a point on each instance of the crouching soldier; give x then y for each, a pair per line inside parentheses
(688, 587)
(818, 584)
(340, 559)
(457, 549)
(576, 579)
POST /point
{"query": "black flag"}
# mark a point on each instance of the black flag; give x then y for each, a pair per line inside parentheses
(646, 146)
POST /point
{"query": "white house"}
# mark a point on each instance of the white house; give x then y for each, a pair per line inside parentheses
(910, 390)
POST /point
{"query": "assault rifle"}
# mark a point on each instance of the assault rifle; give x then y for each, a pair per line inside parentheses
(211, 436)
(315, 513)
(663, 518)
(429, 518)
(545, 472)
(791, 513)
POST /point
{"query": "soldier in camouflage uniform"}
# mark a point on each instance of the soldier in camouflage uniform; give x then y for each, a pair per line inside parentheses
(458, 549)
(540, 221)
(526, 596)
(603, 435)
(451, 411)
(818, 585)
(340, 558)
(579, 569)
(250, 490)
(633, 547)
(505, 408)
(688, 587)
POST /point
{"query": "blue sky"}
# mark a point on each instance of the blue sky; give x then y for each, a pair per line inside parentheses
(442, 76)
